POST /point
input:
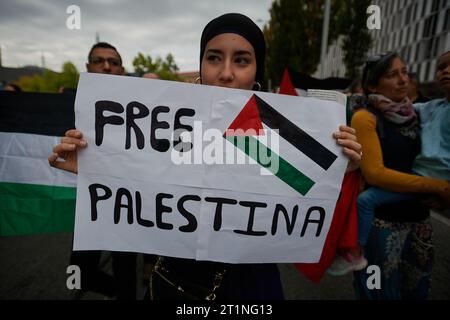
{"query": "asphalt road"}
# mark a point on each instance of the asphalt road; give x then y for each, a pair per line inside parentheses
(34, 267)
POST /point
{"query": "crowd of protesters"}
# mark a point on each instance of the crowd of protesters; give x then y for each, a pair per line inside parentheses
(398, 139)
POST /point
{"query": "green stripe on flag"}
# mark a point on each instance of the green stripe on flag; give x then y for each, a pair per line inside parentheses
(29, 208)
(286, 172)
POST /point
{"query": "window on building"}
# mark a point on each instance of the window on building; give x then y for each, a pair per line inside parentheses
(418, 71)
(434, 20)
(424, 8)
(440, 22)
(447, 20)
(413, 53)
(406, 32)
(421, 46)
(442, 43)
(434, 47)
(411, 33)
(416, 12)
(426, 71)
(429, 49)
(430, 26)
(432, 71)
(435, 6)
(408, 15)
(405, 35)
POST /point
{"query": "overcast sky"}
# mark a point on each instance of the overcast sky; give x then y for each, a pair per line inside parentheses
(31, 28)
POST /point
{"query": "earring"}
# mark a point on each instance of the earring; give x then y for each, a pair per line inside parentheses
(198, 80)
(257, 84)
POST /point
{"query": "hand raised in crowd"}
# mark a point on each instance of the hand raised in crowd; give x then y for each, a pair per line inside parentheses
(67, 150)
(346, 138)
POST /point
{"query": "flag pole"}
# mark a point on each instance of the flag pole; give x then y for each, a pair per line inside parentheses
(325, 28)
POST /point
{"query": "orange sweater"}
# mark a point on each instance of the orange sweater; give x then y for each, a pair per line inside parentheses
(372, 166)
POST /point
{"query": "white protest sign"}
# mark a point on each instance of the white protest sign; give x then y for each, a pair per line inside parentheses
(203, 172)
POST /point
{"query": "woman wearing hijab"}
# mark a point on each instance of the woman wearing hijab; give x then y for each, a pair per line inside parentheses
(232, 54)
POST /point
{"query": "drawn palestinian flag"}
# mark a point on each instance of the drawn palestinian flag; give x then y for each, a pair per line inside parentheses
(245, 128)
(296, 83)
(34, 197)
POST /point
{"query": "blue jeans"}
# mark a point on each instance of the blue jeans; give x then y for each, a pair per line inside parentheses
(367, 202)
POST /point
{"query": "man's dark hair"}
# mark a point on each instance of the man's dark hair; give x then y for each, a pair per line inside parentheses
(104, 45)
(15, 86)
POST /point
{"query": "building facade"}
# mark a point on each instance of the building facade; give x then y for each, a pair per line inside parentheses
(333, 65)
(419, 30)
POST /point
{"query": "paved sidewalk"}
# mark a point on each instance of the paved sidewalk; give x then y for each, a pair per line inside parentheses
(34, 267)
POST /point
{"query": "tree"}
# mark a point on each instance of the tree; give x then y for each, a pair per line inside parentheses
(51, 81)
(357, 40)
(166, 69)
(144, 64)
(293, 35)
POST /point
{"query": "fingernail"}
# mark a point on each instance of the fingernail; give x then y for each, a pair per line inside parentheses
(83, 143)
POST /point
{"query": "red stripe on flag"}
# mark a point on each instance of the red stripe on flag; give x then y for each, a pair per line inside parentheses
(343, 231)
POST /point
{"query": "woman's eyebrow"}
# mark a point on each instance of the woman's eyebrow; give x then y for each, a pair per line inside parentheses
(239, 52)
(217, 51)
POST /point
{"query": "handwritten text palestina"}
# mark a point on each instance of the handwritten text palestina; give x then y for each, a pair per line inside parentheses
(131, 205)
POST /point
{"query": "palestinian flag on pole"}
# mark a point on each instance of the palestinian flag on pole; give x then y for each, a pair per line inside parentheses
(34, 197)
(343, 231)
(296, 83)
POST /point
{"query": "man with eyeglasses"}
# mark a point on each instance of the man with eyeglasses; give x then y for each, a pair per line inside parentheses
(104, 58)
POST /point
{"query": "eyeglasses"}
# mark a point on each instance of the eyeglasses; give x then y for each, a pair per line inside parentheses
(377, 58)
(100, 60)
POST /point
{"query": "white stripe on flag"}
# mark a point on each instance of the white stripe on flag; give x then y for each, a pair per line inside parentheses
(301, 92)
(23, 159)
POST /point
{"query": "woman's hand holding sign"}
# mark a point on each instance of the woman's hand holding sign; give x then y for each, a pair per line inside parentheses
(346, 138)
